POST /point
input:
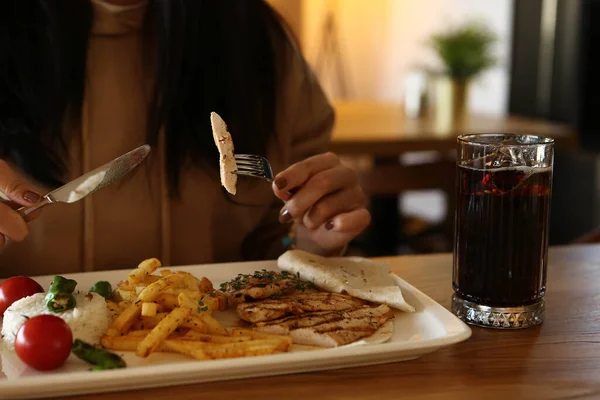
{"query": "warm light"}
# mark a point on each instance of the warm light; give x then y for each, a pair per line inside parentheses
(380, 41)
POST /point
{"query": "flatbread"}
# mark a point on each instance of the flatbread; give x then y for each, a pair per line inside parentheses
(227, 164)
(356, 276)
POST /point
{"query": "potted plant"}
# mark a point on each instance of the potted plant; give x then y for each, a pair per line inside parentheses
(465, 52)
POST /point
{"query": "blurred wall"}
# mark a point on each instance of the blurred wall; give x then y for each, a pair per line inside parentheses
(381, 40)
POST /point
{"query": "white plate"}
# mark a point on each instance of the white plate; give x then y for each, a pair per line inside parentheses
(415, 334)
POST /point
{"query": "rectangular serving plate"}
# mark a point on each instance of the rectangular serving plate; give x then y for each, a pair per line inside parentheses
(428, 329)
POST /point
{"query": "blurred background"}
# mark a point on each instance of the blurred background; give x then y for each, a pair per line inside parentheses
(407, 76)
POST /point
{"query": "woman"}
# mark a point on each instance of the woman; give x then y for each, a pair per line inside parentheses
(84, 82)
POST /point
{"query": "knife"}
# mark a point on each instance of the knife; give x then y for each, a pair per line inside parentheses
(94, 180)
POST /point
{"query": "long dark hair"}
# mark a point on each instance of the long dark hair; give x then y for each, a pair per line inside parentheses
(211, 55)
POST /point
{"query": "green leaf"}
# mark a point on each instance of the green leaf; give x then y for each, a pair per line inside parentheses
(465, 51)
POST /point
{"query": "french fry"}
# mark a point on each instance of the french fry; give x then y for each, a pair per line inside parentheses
(124, 294)
(139, 332)
(149, 322)
(214, 326)
(242, 349)
(204, 337)
(285, 340)
(185, 301)
(254, 334)
(171, 311)
(144, 269)
(204, 323)
(125, 343)
(216, 301)
(161, 331)
(194, 294)
(206, 285)
(190, 281)
(113, 308)
(149, 280)
(149, 309)
(136, 290)
(125, 320)
(121, 343)
(196, 324)
(140, 325)
(173, 290)
(179, 333)
(187, 347)
(167, 301)
(125, 285)
(154, 290)
(211, 301)
(223, 301)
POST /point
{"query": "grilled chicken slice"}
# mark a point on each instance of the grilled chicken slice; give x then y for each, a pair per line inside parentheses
(301, 303)
(263, 285)
(339, 333)
(328, 339)
(283, 326)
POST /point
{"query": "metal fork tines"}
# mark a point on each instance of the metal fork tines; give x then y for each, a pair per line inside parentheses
(253, 165)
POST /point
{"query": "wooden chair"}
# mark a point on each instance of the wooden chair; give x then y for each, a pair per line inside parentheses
(575, 214)
(384, 182)
(590, 237)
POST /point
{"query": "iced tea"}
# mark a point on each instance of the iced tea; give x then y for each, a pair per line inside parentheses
(504, 186)
(502, 235)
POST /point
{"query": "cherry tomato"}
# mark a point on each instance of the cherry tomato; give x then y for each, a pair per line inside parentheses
(16, 288)
(44, 342)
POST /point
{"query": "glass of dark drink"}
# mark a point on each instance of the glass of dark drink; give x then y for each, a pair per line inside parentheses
(504, 185)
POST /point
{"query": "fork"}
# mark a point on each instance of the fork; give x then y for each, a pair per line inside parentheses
(254, 166)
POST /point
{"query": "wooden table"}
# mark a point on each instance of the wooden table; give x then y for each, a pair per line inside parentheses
(558, 360)
(382, 130)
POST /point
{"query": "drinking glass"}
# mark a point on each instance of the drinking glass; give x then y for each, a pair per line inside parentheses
(504, 186)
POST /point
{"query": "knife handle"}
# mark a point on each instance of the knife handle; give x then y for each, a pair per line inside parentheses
(25, 211)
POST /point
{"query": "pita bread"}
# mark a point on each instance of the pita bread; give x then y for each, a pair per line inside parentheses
(358, 277)
(227, 164)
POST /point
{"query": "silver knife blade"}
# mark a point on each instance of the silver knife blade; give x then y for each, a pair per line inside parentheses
(100, 177)
(94, 180)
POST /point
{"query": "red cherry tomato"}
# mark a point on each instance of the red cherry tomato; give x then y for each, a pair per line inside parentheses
(16, 288)
(44, 342)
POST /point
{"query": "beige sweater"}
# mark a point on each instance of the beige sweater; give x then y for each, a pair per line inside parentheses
(132, 220)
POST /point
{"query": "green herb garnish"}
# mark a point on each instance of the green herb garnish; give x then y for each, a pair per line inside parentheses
(202, 306)
(263, 277)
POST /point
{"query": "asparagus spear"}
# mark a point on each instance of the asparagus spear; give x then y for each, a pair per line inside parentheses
(99, 358)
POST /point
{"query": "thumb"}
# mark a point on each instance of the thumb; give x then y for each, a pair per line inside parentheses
(14, 189)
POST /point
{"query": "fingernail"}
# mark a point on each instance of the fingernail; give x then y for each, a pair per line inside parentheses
(285, 217)
(329, 225)
(31, 197)
(280, 183)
